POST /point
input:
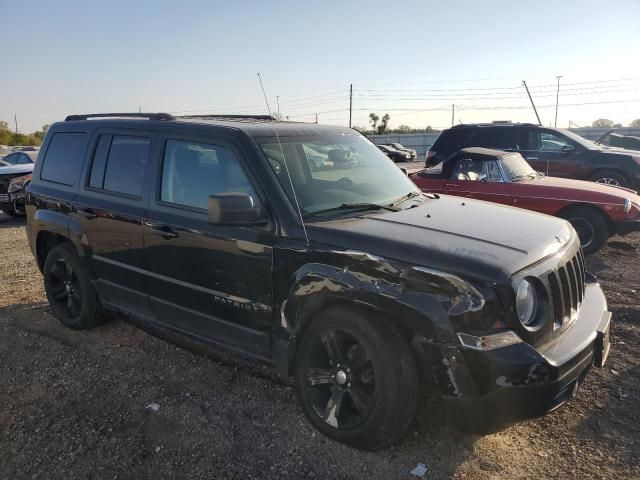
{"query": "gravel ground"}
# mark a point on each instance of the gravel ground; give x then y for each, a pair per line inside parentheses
(73, 405)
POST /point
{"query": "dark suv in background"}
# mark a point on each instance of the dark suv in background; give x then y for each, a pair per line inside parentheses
(554, 152)
(347, 277)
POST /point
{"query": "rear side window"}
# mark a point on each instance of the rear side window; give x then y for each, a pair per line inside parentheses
(119, 164)
(63, 160)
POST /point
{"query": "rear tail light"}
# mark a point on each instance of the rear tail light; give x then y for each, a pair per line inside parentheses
(430, 155)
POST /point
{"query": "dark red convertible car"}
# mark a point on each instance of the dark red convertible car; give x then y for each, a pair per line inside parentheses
(596, 211)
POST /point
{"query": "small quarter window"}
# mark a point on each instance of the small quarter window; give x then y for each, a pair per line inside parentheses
(119, 164)
(63, 160)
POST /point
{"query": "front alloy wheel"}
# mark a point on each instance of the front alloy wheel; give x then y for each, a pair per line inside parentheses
(356, 378)
(340, 381)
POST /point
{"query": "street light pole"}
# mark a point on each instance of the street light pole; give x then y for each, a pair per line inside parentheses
(278, 104)
(555, 124)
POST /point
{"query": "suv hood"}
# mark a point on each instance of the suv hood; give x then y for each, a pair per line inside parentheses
(466, 237)
(13, 169)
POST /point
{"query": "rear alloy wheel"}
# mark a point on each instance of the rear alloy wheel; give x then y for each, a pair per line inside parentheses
(591, 226)
(612, 178)
(356, 379)
(71, 295)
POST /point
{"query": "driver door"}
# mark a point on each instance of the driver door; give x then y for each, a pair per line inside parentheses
(212, 281)
(552, 154)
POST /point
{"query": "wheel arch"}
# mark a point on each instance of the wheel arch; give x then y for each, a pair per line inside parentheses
(51, 229)
(319, 287)
(589, 206)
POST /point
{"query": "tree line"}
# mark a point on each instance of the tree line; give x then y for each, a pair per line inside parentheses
(606, 123)
(380, 126)
(8, 137)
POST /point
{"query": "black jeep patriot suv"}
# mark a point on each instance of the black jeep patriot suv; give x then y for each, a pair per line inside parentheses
(346, 277)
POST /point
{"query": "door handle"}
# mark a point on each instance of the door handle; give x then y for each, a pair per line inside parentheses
(532, 158)
(163, 231)
(455, 185)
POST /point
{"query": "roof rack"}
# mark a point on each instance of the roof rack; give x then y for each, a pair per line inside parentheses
(231, 117)
(149, 116)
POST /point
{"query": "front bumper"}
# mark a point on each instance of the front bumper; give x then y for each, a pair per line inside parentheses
(485, 391)
(13, 202)
(623, 227)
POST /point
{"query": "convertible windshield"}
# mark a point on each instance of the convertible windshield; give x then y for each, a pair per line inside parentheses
(517, 168)
(337, 173)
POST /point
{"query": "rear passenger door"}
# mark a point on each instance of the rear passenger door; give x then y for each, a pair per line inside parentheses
(211, 281)
(110, 205)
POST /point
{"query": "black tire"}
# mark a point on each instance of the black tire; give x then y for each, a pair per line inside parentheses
(610, 177)
(71, 295)
(371, 398)
(592, 227)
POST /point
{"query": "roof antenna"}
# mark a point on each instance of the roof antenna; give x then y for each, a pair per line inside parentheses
(286, 168)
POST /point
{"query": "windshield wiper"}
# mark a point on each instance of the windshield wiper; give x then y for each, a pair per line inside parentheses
(352, 206)
(405, 197)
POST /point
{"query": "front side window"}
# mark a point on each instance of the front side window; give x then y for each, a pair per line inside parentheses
(119, 164)
(329, 171)
(547, 141)
(63, 160)
(471, 170)
(191, 172)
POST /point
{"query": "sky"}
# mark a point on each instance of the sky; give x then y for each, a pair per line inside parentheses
(411, 59)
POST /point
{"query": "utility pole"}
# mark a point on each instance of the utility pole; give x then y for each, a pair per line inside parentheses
(350, 102)
(453, 114)
(15, 119)
(532, 104)
(555, 125)
(316, 118)
(278, 104)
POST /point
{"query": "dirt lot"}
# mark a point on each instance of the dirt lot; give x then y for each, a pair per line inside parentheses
(72, 404)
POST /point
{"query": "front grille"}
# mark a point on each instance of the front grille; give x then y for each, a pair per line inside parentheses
(566, 285)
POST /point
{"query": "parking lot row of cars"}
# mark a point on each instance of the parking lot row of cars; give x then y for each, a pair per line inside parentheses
(16, 165)
(303, 247)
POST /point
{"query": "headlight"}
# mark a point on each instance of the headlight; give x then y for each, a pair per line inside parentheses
(526, 303)
(19, 183)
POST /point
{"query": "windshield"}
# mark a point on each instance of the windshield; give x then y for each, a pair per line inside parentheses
(580, 140)
(333, 171)
(517, 168)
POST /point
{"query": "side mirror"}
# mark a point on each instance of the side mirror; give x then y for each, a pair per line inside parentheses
(235, 209)
(568, 148)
